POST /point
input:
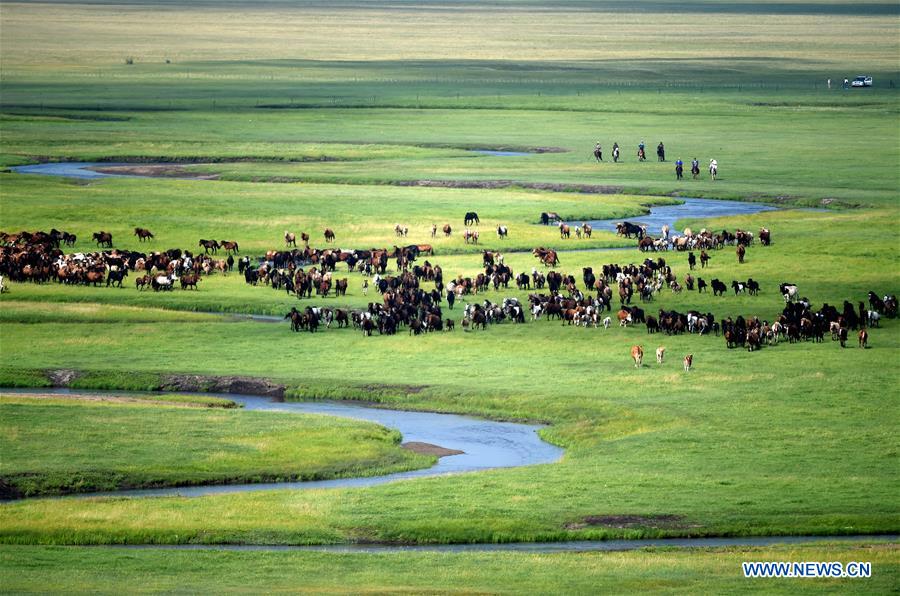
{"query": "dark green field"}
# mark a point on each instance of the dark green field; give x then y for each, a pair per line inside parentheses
(359, 117)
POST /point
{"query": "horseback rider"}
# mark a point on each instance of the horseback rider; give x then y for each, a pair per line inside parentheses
(695, 168)
(641, 154)
(661, 152)
(679, 169)
(616, 152)
(598, 152)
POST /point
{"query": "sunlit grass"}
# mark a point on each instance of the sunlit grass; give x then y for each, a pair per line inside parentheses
(69, 445)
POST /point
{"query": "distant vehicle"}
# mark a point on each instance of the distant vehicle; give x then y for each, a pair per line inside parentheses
(861, 81)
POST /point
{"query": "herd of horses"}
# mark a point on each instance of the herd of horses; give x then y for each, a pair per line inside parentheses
(588, 302)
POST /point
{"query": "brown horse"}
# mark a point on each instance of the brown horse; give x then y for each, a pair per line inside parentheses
(329, 235)
(547, 256)
(637, 354)
(740, 253)
(141, 282)
(447, 230)
(564, 231)
(189, 281)
(143, 234)
(290, 239)
(305, 238)
(103, 239)
(230, 246)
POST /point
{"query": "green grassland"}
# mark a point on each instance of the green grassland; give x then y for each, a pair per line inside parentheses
(314, 115)
(53, 445)
(652, 442)
(104, 570)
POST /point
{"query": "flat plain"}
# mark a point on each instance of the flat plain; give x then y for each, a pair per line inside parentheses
(358, 118)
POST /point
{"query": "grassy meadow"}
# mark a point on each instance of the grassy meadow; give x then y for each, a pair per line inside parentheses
(105, 570)
(91, 445)
(313, 115)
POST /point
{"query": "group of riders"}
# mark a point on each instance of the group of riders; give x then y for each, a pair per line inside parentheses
(661, 156)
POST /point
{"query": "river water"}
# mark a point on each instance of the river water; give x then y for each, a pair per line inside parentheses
(486, 444)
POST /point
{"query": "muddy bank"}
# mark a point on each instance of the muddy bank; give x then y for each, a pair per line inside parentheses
(495, 184)
(154, 171)
(429, 449)
(665, 521)
(183, 383)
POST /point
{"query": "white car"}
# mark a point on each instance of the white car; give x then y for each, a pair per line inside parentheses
(861, 81)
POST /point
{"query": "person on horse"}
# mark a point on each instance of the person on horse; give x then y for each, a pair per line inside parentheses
(679, 169)
(695, 168)
(616, 152)
(598, 152)
(641, 155)
(661, 152)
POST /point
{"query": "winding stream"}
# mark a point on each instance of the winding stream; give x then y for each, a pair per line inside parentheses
(661, 215)
(82, 170)
(485, 444)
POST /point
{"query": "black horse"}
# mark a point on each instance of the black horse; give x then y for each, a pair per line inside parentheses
(629, 229)
(471, 218)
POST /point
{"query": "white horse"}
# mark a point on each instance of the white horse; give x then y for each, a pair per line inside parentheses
(713, 168)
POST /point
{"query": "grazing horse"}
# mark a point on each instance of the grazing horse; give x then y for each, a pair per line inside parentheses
(637, 354)
(229, 246)
(290, 239)
(688, 362)
(401, 231)
(143, 234)
(660, 354)
(471, 218)
(863, 338)
(564, 231)
(329, 235)
(502, 231)
(103, 239)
